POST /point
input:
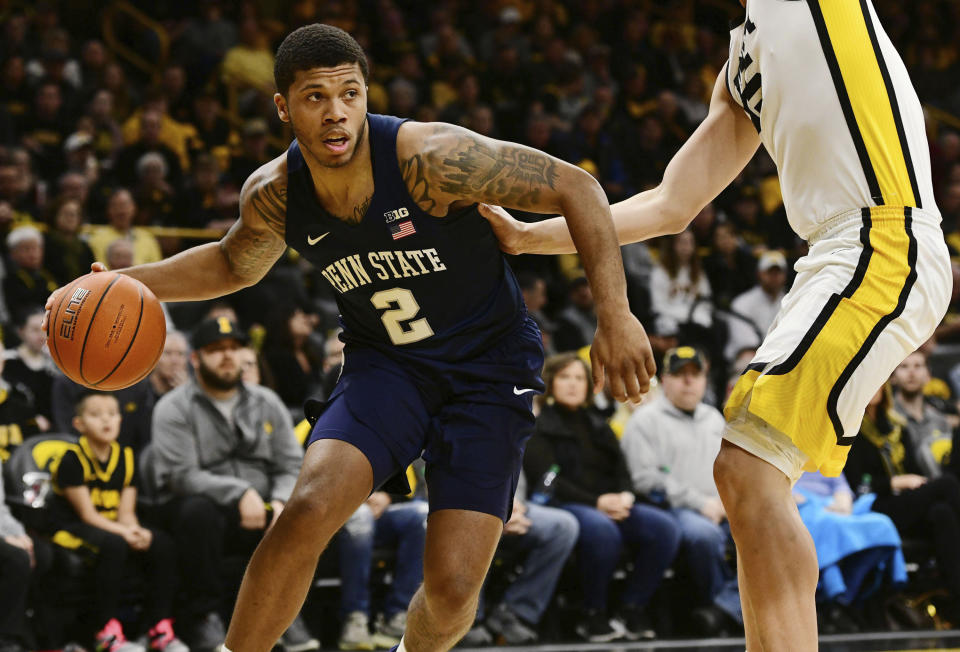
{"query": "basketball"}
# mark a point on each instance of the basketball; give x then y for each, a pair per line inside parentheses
(106, 331)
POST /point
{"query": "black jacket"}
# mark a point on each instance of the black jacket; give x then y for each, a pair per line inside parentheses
(866, 459)
(585, 473)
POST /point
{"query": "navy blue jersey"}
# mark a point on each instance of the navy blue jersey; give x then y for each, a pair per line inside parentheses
(434, 287)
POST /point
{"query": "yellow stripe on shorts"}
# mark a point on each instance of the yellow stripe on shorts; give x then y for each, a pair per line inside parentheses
(799, 397)
(869, 102)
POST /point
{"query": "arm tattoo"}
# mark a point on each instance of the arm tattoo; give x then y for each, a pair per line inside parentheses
(251, 249)
(268, 198)
(475, 169)
(251, 253)
(412, 171)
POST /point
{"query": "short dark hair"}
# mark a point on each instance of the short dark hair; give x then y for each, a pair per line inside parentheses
(315, 46)
(81, 403)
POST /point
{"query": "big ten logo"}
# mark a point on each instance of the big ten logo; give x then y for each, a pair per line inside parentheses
(68, 324)
(399, 214)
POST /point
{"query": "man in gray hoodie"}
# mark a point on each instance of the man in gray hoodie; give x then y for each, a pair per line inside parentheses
(670, 445)
(225, 462)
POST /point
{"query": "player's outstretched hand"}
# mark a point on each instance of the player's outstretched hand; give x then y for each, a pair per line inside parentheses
(622, 350)
(52, 299)
(510, 231)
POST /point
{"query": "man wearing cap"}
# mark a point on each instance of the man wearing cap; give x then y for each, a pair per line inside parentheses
(225, 462)
(670, 444)
(754, 310)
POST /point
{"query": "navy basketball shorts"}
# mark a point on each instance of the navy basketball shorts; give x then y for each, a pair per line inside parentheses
(470, 419)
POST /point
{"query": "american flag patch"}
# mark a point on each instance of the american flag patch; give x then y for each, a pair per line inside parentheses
(402, 230)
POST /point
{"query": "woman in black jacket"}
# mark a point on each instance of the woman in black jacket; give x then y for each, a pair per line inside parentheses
(594, 485)
(881, 461)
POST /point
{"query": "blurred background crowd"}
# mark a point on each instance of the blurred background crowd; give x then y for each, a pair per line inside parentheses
(126, 132)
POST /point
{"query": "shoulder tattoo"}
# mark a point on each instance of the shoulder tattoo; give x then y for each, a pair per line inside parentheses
(472, 167)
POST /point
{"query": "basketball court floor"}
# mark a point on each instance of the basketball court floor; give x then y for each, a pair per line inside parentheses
(863, 642)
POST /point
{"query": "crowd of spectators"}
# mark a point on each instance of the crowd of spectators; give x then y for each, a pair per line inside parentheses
(125, 139)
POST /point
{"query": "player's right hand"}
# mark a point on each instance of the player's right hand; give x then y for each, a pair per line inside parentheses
(52, 299)
(510, 231)
(622, 351)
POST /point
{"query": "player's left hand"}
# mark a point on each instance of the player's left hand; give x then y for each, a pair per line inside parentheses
(622, 351)
(52, 299)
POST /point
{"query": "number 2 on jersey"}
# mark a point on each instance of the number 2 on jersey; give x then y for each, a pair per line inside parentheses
(406, 308)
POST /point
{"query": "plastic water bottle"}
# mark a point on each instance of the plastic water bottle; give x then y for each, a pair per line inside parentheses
(864, 487)
(543, 494)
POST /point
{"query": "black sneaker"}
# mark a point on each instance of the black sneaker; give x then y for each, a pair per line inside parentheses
(503, 622)
(478, 636)
(597, 628)
(711, 622)
(637, 624)
(208, 633)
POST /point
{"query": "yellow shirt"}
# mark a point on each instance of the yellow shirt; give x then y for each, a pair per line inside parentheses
(146, 249)
(248, 67)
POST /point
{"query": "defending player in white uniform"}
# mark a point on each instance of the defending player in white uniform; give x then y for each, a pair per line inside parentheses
(819, 83)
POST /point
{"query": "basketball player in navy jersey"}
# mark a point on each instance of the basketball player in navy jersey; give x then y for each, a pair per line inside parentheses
(440, 358)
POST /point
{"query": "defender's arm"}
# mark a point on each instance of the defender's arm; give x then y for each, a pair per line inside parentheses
(447, 167)
(712, 157)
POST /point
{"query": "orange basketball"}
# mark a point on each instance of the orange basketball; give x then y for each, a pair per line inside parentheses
(106, 331)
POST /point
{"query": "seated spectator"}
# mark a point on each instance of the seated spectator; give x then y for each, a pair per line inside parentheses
(30, 367)
(66, 254)
(730, 265)
(926, 429)
(577, 323)
(294, 358)
(16, 563)
(221, 497)
(121, 209)
(136, 403)
(670, 444)
(381, 522)
(107, 138)
(204, 203)
(154, 195)
(852, 543)
(254, 151)
(95, 514)
(249, 64)
(754, 310)
(882, 462)
(254, 369)
(149, 139)
(44, 129)
(546, 537)
(28, 282)
(213, 130)
(171, 370)
(119, 254)
(679, 290)
(594, 485)
(18, 414)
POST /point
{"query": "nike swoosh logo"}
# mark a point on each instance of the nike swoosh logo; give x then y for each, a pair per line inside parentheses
(313, 241)
(518, 392)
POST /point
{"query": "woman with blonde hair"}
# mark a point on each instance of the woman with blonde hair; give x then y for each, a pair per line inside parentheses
(593, 483)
